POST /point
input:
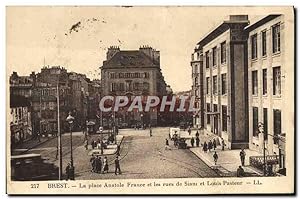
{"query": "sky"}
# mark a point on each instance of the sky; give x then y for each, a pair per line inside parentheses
(41, 35)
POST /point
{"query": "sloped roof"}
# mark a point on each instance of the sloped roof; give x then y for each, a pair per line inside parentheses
(129, 59)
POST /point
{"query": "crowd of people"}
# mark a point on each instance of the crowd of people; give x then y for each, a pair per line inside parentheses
(100, 165)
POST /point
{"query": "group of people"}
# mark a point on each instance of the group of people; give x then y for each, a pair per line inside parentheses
(99, 165)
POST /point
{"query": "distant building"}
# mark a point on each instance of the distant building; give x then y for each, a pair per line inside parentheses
(132, 73)
(198, 87)
(20, 119)
(22, 85)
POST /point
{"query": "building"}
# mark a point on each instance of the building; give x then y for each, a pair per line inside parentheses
(21, 85)
(197, 87)
(20, 119)
(79, 85)
(133, 73)
(224, 86)
(248, 84)
(269, 90)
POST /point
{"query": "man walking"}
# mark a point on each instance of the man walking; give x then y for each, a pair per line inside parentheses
(189, 130)
(192, 142)
(242, 156)
(117, 166)
(150, 130)
(214, 144)
(68, 171)
(197, 141)
(215, 156)
(223, 144)
(93, 163)
(209, 145)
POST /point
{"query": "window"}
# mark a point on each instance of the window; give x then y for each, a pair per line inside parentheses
(215, 86)
(207, 59)
(214, 52)
(255, 121)
(265, 123)
(121, 87)
(208, 110)
(254, 46)
(207, 85)
(264, 43)
(276, 38)
(224, 85)
(277, 124)
(224, 118)
(276, 81)
(223, 52)
(265, 87)
(254, 83)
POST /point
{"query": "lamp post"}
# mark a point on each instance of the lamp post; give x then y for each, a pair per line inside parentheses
(70, 120)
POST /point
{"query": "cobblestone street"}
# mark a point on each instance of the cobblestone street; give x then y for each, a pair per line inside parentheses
(143, 156)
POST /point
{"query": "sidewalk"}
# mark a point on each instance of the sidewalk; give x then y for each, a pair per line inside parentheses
(228, 160)
(111, 148)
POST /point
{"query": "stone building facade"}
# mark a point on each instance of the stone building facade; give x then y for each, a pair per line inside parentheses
(248, 83)
(197, 87)
(225, 85)
(133, 73)
(270, 85)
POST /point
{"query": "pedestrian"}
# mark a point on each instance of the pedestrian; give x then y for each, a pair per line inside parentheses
(209, 145)
(167, 147)
(150, 130)
(117, 166)
(214, 144)
(118, 150)
(192, 142)
(105, 165)
(223, 144)
(205, 147)
(86, 143)
(197, 134)
(242, 157)
(175, 140)
(197, 141)
(93, 163)
(240, 172)
(93, 144)
(98, 164)
(189, 130)
(68, 171)
(215, 156)
(98, 145)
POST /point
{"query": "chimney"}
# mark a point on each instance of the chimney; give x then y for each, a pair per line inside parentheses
(111, 51)
(152, 53)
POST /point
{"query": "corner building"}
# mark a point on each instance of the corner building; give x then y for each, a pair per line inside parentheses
(225, 81)
(133, 73)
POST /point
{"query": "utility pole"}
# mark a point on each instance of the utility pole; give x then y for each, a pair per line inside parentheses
(59, 137)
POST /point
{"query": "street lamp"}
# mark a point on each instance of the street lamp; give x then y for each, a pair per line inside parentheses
(70, 120)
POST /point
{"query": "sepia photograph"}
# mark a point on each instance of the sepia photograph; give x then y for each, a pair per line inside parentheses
(150, 100)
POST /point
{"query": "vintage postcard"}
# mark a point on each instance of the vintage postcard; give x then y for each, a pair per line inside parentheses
(150, 100)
